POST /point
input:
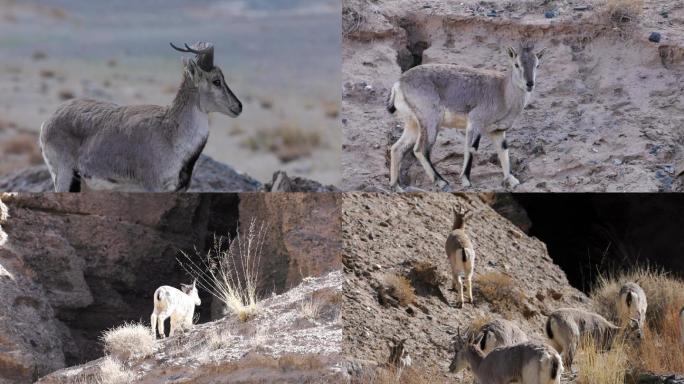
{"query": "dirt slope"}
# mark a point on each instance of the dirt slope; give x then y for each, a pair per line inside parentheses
(606, 115)
(391, 234)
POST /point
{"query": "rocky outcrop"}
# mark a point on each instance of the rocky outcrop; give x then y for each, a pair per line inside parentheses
(74, 265)
(282, 344)
(404, 235)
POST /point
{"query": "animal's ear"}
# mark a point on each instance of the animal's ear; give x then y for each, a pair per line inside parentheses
(194, 283)
(512, 54)
(541, 53)
(190, 67)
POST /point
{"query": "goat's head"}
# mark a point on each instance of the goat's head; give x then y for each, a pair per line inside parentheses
(524, 65)
(461, 344)
(191, 290)
(214, 93)
(459, 219)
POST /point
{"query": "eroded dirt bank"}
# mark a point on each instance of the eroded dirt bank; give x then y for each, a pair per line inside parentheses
(607, 113)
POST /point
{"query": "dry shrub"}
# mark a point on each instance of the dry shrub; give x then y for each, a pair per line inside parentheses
(298, 361)
(218, 339)
(410, 375)
(596, 367)
(501, 292)
(399, 287)
(20, 144)
(310, 307)
(287, 141)
(113, 372)
(479, 322)
(623, 11)
(230, 270)
(659, 350)
(128, 341)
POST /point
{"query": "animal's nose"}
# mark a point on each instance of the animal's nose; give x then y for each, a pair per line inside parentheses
(238, 108)
(530, 84)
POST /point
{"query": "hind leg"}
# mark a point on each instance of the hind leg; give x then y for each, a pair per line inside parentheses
(472, 142)
(408, 138)
(499, 140)
(426, 139)
(61, 163)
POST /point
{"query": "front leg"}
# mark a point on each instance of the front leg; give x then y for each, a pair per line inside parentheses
(472, 142)
(499, 140)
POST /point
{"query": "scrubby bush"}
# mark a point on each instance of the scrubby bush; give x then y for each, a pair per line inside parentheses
(399, 287)
(128, 341)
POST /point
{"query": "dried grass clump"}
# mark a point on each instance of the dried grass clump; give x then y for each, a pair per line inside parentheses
(597, 367)
(128, 341)
(624, 11)
(113, 372)
(502, 293)
(410, 375)
(288, 141)
(399, 287)
(230, 270)
(310, 307)
(659, 350)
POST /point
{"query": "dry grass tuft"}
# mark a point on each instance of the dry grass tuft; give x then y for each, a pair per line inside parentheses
(310, 307)
(230, 270)
(659, 351)
(624, 11)
(287, 141)
(410, 375)
(501, 292)
(24, 144)
(398, 287)
(113, 372)
(128, 341)
(596, 367)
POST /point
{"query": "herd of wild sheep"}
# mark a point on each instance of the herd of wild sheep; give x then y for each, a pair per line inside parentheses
(499, 352)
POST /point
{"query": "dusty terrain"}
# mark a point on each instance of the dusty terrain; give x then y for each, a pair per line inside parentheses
(394, 234)
(281, 60)
(606, 115)
(73, 266)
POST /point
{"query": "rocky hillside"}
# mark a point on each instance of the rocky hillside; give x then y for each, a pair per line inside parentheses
(284, 343)
(404, 235)
(606, 114)
(75, 265)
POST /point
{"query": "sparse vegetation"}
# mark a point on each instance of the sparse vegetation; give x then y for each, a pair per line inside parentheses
(596, 367)
(659, 351)
(623, 11)
(287, 141)
(310, 307)
(230, 270)
(399, 287)
(128, 341)
(113, 372)
(410, 375)
(502, 293)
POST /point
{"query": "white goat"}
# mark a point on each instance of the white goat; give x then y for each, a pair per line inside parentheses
(177, 304)
(631, 307)
(461, 256)
(433, 95)
(138, 148)
(566, 327)
(499, 333)
(526, 363)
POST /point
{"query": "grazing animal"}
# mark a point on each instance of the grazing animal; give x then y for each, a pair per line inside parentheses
(632, 305)
(433, 95)
(142, 147)
(461, 256)
(399, 356)
(566, 327)
(177, 304)
(498, 333)
(526, 363)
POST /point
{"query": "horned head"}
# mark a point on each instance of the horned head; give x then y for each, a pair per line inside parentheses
(524, 64)
(191, 290)
(459, 362)
(214, 93)
(459, 218)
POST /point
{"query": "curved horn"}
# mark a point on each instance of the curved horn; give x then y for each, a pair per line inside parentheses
(205, 56)
(178, 49)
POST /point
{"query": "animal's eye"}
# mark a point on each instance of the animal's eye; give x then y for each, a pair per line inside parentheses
(217, 82)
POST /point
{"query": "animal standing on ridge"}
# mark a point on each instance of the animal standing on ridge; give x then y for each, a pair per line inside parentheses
(178, 304)
(429, 96)
(566, 327)
(461, 256)
(631, 307)
(104, 146)
(526, 363)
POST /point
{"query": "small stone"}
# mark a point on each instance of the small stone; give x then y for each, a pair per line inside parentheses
(664, 14)
(492, 13)
(617, 161)
(654, 37)
(550, 14)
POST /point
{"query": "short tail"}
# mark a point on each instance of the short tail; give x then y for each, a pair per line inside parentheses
(555, 367)
(390, 100)
(631, 296)
(549, 331)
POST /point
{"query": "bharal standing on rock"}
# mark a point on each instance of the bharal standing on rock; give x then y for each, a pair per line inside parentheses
(433, 95)
(142, 147)
(461, 255)
(178, 304)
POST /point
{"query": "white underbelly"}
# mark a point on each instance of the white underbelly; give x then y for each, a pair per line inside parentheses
(454, 120)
